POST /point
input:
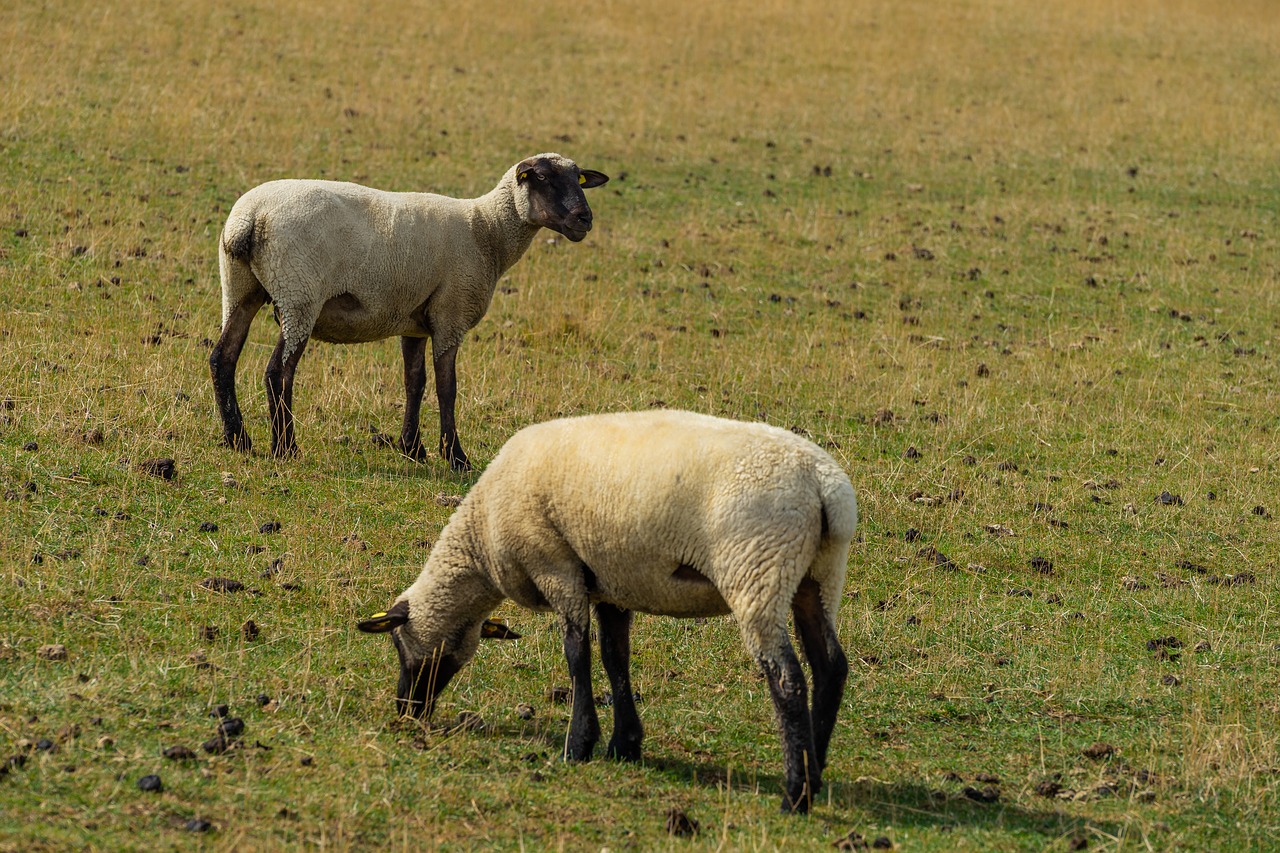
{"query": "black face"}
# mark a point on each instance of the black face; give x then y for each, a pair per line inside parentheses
(423, 678)
(421, 681)
(556, 198)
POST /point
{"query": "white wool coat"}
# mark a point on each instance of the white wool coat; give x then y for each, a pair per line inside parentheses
(317, 241)
(665, 512)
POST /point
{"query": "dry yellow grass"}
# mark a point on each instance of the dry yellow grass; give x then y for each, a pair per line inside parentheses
(1046, 243)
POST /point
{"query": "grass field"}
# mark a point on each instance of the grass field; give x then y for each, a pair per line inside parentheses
(1014, 264)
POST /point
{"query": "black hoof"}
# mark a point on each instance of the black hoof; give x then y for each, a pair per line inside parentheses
(800, 807)
(624, 752)
(285, 452)
(451, 450)
(800, 801)
(414, 450)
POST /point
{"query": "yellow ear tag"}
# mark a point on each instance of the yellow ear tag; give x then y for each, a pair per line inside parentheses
(491, 628)
(582, 179)
(522, 175)
(378, 615)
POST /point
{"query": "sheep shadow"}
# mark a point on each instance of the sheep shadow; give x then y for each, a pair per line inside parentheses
(391, 465)
(843, 803)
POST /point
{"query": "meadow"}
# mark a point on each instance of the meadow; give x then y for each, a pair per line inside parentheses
(1013, 264)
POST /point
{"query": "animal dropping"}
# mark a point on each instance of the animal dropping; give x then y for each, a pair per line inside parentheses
(52, 651)
(680, 824)
(1098, 751)
(164, 468)
(222, 584)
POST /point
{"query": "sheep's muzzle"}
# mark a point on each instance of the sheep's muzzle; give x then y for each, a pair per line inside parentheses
(421, 681)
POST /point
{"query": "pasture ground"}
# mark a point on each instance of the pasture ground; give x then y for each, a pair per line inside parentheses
(1014, 263)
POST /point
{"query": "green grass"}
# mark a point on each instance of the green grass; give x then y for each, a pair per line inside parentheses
(1044, 256)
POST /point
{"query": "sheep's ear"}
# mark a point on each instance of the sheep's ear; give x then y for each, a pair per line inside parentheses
(522, 170)
(591, 178)
(381, 623)
(494, 630)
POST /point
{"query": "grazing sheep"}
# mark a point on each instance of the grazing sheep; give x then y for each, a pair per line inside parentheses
(348, 264)
(664, 512)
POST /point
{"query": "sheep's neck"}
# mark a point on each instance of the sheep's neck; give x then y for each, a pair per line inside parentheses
(459, 564)
(501, 227)
(460, 595)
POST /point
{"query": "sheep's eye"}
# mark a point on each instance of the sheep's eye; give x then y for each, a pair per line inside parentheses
(541, 177)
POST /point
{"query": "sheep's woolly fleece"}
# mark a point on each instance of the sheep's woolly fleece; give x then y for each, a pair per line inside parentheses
(635, 497)
(670, 513)
(317, 240)
(346, 263)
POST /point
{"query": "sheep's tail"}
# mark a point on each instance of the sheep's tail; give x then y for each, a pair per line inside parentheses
(241, 238)
(839, 522)
(240, 235)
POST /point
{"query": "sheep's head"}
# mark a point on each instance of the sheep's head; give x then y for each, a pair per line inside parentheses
(429, 658)
(551, 188)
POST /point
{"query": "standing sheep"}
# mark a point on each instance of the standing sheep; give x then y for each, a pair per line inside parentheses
(664, 512)
(348, 264)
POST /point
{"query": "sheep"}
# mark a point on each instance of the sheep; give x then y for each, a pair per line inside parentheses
(349, 264)
(664, 512)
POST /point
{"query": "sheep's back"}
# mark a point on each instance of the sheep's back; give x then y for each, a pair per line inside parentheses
(370, 257)
(651, 501)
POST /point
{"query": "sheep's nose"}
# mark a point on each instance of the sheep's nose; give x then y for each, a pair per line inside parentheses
(584, 218)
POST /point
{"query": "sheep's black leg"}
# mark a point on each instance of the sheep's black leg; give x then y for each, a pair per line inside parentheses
(446, 393)
(414, 351)
(279, 380)
(584, 725)
(826, 659)
(614, 625)
(222, 366)
(799, 757)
